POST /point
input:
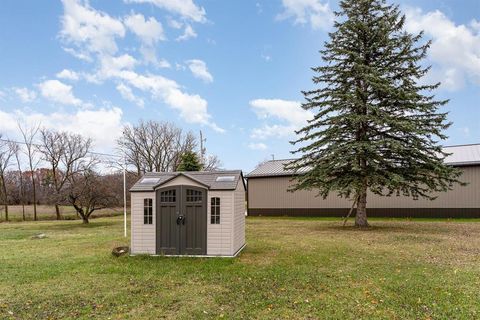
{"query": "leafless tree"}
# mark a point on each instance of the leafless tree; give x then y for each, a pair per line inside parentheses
(16, 150)
(6, 154)
(88, 192)
(67, 154)
(155, 146)
(29, 133)
(211, 163)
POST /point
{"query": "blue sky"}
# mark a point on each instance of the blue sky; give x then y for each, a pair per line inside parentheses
(233, 69)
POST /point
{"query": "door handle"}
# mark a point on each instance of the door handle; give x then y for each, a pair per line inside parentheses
(180, 220)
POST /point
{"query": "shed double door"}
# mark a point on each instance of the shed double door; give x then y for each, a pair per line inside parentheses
(181, 220)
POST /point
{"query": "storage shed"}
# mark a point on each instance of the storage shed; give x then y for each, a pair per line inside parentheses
(269, 182)
(188, 213)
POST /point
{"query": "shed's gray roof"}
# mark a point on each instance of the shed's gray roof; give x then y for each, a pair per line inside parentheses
(151, 180)
(462, 155)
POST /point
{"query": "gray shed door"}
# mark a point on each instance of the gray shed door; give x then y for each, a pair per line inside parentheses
(181, 220)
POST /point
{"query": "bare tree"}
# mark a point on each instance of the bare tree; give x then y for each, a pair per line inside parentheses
(6, 153)
(16, 150)
(155, 146)
(66, 153)
(29, 134)
(88, 192)
(211, 163)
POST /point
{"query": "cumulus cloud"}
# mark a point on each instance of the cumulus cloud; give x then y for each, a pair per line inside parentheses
(59, 92)
(455, 49)
(94, 33)
(103, 125)
(313, 12)
(290, 114)
(188, 33)
(257, 146)
(25, 95)
(148, 30)
(68, 75)
(199, 70)
(127, 93)
(83, 25)
(185, 8)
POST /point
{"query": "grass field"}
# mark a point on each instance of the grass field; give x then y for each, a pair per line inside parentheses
(291, 268)
(47, 212)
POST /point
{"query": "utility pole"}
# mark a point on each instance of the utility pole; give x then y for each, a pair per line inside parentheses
(125, 196)
(202, 148)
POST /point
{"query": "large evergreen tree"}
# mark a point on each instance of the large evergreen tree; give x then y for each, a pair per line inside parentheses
(376, 126)
(189, 161)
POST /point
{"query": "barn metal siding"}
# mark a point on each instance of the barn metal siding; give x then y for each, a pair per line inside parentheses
(269, 195)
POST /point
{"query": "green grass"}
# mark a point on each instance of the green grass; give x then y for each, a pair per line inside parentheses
(291, 268)
(47, 212)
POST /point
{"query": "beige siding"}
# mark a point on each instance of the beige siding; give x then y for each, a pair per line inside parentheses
(239, 218)
(219, 236)
(142, 235)
(271, 193)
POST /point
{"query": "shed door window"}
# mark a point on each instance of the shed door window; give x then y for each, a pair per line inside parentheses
(147, 211)
(215, 211)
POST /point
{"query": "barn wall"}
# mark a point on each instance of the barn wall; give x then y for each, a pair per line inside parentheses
(219, 236)
(269, 196)
(239, 217)
(142, 235)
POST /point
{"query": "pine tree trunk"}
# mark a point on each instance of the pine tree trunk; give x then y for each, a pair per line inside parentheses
(57, 212)
(6, 212)
(23, 211)
(34, 199)
(361, 216)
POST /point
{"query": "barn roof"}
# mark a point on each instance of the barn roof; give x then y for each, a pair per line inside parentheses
(461, 155)
(212, 180)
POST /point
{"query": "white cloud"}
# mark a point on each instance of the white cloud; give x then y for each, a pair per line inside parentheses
(68, 74)
(103, 125)
(25, 94)
(79, 54)
(188, 33)
(313, 12)
(257, 146)
(290, 113)
(127, 94)
(455, 49)
(199, 70)
(111, 67)
(150, 56)
(192, 107)
(81, 24)
(172, 23)
(58, 92)
(148, 30)
(185, 8)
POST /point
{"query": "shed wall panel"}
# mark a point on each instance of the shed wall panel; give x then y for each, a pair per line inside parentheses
(239, 217)
(142, 235)
(219, 236)
(271, 193)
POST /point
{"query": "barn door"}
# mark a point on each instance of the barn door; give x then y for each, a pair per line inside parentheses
(181, 221)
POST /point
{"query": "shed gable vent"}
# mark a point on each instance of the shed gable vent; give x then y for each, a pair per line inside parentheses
(225, 179)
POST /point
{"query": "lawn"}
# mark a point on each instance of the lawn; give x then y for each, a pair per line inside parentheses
(47, 212)
(291, 268)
